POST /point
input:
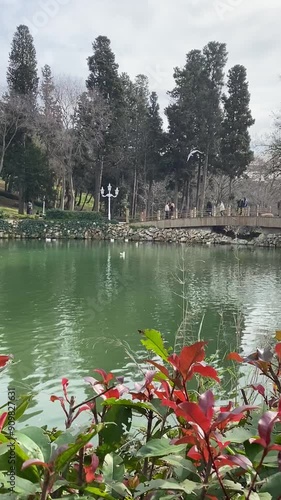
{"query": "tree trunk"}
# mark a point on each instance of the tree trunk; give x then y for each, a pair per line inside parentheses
(134, 193)
(80, 199)
(230, 190)
(149, 200)
(1, 162)
(204, 184)
(21, 199)
(198, 184)
(98, 179)
(188, 196)
(176, 195)
(62, 190)
(71, 194)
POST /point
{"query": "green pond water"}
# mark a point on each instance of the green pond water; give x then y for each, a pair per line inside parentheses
(67, 308)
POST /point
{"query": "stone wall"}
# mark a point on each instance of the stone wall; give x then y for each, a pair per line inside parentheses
(40, 229)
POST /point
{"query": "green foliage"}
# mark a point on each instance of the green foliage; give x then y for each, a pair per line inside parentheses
(194, 449)
(22, 71)
(236, 142)
(55, 214)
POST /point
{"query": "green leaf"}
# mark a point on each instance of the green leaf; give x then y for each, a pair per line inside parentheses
(113, 474)
(178, 461)
(162, 484)
(113, 468)
(29, 446)
(159, 448)
(31, 473)
(153, 342)
(41, 439)
(272, 486)
(237, 435)
(64, 438)
(97, 492)
(28, 416)
(121, 416)
(22, 406)
(128, 403)
(64, 458)
(23, 487)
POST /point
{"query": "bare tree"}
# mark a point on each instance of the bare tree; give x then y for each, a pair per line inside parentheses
(93, 119)
(67, 91)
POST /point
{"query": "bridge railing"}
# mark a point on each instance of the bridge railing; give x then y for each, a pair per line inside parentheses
(249, 211)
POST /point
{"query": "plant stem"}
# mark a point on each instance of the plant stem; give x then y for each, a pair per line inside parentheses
(256, 474)
(45, 487)
(81, 470)
(92, 399)
(226, 496)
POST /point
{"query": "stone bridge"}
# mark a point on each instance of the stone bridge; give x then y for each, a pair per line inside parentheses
(267, 223)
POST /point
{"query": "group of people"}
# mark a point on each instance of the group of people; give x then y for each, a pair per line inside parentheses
(241, 205)
(210, 208)
(169, 210)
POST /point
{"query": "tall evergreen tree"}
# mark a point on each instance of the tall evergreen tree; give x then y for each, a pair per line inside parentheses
(22, 75)
(236, 154)
(22, 81)
(104, 79)
(155, 147)
(215, 55)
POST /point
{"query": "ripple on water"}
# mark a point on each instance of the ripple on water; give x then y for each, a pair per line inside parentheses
(68, 309)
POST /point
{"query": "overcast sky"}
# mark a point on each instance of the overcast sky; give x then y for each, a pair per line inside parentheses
(153, 36)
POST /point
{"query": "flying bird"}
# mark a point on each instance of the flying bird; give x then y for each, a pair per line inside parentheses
(193, 152)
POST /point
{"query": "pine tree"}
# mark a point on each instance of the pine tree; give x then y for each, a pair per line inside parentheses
(22, 81)
(104, 70)
(22, 76)
(155, 147)
(236, 152)
(104, 78)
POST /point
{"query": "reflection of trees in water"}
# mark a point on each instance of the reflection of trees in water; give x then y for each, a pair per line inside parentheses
(66, 307)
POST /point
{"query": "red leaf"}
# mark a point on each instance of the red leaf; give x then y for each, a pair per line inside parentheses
(240, 460)
(194, 453)
(161, 368)
(193, 413)
(234, 356)
(278, 350)
(4, 360)
(206, 371)
(266, 424)
(106, 377)
(190, 355)
(207, 402)
(3, 420)
(64, 382)
(34, 461)
(259, 388)
(111, 393)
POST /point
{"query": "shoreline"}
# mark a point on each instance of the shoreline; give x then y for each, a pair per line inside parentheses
(85, 230)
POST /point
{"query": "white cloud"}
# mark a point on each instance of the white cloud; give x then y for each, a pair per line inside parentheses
(153, 36)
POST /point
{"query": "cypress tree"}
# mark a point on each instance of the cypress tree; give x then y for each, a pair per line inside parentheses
(236, 152)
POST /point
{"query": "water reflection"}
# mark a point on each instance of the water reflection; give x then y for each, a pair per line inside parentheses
(67, 308)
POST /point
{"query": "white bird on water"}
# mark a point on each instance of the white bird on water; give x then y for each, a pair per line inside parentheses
(112, 240)
(122, 255)
(48, 240)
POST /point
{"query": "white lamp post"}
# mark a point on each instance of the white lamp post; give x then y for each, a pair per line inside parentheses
(109, 195)
(44, 206)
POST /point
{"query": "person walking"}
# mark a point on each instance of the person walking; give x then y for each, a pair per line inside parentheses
(172, 210)
(167, 211)
(222, 208)
(209, 208)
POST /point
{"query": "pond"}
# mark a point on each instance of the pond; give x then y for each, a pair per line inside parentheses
(67, 308)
